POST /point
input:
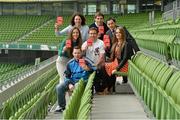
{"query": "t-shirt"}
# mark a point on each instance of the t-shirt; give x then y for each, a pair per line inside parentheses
(93, 52)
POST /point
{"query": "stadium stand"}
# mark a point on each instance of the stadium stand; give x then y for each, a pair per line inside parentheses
(27, 103)
(9, 71)
(155, 81)
(13, 27)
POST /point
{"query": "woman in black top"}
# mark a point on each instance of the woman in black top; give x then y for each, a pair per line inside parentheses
(121, 51)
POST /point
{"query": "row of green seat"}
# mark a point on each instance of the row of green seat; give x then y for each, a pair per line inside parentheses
(157, 43)
(175, 50)
(37, 107)
(48, 30)
(8, 67)
(166, 45)
(17, 101)
(164, 28)
(85, 106)
(45, 35)
(8, 75)
(80, 102)
(14, 27)
(157, 84)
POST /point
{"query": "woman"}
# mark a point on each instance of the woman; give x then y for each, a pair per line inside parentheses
(65, 52)
(77, 20)
(120, 53)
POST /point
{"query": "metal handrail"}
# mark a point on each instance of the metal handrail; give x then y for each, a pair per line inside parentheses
(5, 83)
(172, 10)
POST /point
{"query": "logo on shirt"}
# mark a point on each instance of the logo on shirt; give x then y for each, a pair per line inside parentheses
(96, 52)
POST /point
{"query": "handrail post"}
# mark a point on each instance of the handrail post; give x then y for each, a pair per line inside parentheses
(174, 10)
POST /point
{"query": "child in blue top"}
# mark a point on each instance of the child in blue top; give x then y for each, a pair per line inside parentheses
(73, 73)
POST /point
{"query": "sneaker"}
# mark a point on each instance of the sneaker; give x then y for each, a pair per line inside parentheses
(59, 110)
(119, 80)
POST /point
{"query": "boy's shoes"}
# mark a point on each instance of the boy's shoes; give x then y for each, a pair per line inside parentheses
(59, 110)
(104, 92)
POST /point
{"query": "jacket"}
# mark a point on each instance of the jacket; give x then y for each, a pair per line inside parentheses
(74, 72)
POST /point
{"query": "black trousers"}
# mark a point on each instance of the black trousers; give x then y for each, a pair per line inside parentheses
(125, 80)
(101, 80)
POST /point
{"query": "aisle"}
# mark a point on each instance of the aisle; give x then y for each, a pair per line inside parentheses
(119, 106)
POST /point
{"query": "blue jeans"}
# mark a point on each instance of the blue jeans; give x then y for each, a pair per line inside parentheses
(61, 89)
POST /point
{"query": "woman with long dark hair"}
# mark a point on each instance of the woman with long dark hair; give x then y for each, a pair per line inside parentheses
(65, 52)
(120, 53)
(77, 20)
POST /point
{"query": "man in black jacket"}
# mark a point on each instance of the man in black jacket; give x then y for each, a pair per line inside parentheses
(99, 21)
(111, 23)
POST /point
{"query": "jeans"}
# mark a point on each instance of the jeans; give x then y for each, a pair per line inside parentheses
(61, 89)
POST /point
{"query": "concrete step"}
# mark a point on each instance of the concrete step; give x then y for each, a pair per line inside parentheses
(122, 88)
(118, 106)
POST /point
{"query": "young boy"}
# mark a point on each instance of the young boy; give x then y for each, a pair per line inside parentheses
(73, 73)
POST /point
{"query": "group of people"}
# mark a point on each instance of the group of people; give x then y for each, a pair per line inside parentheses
(101, 47)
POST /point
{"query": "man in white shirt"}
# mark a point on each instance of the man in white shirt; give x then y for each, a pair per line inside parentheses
(94, 51)
(94, 48)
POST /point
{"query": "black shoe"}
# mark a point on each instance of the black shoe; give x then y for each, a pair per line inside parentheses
(59, 110)
(124, 82)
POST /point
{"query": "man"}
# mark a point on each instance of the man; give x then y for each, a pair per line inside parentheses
(73, 73)
(99, 21)
(95, 53)
(111, 23)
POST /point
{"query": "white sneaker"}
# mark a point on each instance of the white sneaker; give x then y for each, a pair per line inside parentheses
(119, 80)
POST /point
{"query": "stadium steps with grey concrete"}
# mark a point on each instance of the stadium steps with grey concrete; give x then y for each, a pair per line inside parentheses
(122, 105)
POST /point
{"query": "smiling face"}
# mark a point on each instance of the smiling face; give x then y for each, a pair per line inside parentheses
(75, 34)
(111, 24)
(77, 21)
(99, 20)
(93, 34)
(120, 34)
(77, 53)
